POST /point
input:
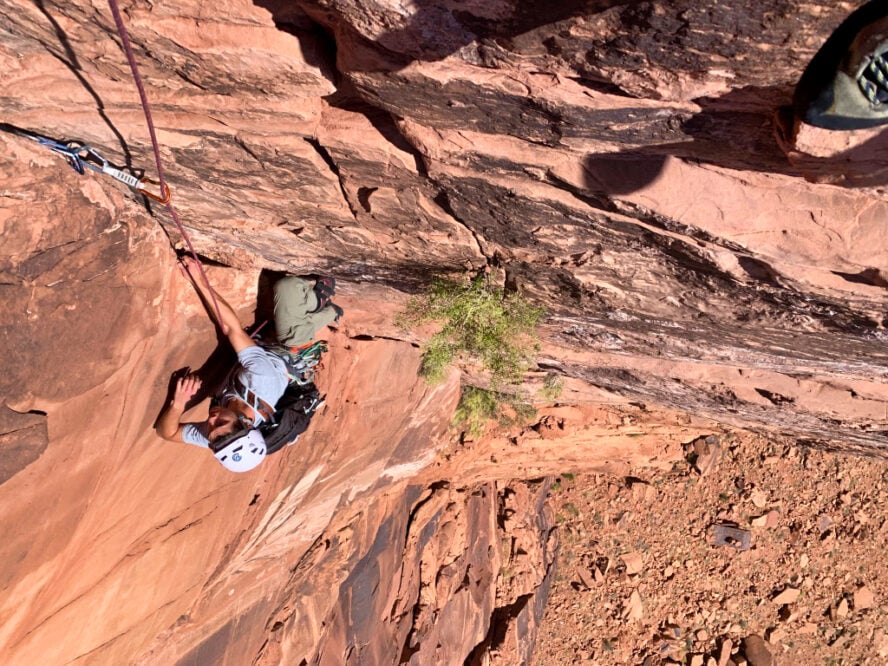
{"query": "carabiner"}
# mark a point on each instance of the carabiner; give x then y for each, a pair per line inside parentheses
(93, 159)
(82, 157)
(87, 157)
(164, 196)
(65, 150)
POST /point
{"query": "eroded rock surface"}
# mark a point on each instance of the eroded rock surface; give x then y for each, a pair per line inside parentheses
(623, 163)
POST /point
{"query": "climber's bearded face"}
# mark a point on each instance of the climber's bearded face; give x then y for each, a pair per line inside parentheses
(222, 421)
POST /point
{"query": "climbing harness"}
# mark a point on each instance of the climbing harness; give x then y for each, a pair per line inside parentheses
(81, 157)
(302, 362)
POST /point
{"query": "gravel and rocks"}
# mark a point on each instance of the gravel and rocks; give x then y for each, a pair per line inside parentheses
(640, 580)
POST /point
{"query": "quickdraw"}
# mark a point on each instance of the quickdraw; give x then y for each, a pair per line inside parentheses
(302, 362)
(81, 157)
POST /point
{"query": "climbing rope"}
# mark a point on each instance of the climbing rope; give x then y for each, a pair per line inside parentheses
(146, 109)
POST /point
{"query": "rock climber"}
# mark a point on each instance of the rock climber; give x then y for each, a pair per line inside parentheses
(254, 385)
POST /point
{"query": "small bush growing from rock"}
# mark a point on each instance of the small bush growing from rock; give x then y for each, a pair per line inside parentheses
(552, 387)
(476, 407)
(481, 323)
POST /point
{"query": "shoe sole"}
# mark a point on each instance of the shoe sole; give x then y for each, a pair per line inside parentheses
(830, 93)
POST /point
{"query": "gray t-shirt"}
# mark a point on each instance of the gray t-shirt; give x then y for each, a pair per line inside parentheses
(258, 370)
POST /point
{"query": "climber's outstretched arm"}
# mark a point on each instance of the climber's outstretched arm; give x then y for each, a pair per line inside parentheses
(230, 325)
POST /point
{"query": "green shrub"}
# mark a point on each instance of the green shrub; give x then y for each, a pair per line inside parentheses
(437, 357)
(479, 322)
(552, 387)
(476, 407)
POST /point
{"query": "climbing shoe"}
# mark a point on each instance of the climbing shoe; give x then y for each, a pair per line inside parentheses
(845, 86)
(324, 289)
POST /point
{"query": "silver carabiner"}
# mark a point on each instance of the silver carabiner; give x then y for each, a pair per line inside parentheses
(89, 156)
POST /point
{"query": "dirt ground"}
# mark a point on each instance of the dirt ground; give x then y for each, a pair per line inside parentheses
(639, 580)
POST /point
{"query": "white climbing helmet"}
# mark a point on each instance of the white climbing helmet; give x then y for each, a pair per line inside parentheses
(240, 451)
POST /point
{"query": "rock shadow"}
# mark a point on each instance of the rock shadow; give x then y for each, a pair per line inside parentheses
(622, 173)
(870, 276)
(319, 48)
(71, 62)
(432, 32)
(263, 322)
(317, 43)
(212, 374)
(759, 270)
(348, 98)
(435, 32)
(23, 438)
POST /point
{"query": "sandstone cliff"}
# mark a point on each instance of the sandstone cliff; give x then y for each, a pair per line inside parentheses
(619, 162)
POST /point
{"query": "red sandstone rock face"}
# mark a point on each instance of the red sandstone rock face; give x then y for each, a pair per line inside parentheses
(617, 161)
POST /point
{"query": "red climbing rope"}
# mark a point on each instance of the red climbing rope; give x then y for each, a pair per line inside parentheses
(164, 189)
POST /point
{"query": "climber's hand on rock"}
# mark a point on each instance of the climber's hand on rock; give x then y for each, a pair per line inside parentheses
(188, 267)
(186, 388)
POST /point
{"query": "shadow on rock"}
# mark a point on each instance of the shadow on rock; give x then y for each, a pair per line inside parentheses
(317, 45)
(431, 32)
(69, 59)
(622, 173)
(24, 437)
